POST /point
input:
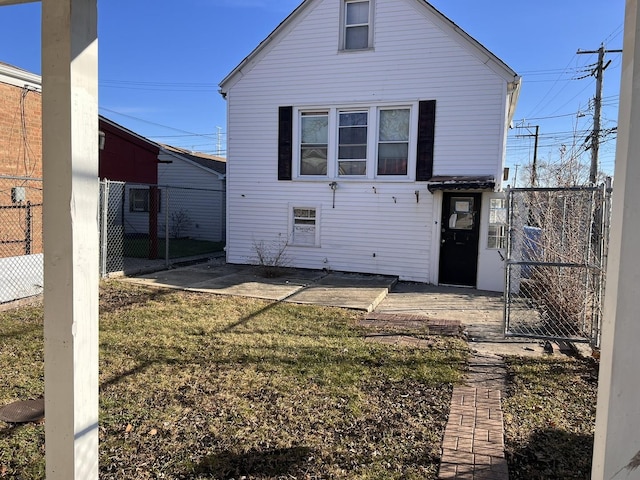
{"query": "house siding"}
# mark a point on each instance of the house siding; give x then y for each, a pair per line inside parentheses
(420, 61)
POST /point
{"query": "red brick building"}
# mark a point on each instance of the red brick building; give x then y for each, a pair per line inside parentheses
(20, 162)
(125, 156)
(20, 123)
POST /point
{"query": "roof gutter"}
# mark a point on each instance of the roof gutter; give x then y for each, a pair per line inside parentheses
(513, 92)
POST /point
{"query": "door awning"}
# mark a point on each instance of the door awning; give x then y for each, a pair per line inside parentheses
(482, 182)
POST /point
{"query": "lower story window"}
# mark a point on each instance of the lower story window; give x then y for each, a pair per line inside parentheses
(497, 237)
(393, 141)
(352, 143)
(356, 142)
(139, 200)
(304, 226)
(314, 138)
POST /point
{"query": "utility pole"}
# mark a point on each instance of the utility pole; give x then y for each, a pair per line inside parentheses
(534, 164)
(597, 106)
(219, 145)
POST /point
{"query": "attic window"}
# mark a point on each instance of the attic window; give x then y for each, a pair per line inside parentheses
(357, 25)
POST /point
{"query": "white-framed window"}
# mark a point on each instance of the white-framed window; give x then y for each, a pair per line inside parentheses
(356, 143)
(139, 200)
(314, 141)
(305, 231)
(497, 237)
(357, 25)
(352, 142)
(393, 141)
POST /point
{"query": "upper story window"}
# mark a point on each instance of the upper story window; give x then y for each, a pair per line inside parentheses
(357, 25)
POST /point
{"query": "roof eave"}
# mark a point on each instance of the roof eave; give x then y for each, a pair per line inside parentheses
(514, 94)
(228, 80)
(125, 130)
(17, 76)
(491, 60)
(177, 155)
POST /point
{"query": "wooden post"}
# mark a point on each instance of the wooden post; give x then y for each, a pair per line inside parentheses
(616, 453)
(154, 202)
(70, 164)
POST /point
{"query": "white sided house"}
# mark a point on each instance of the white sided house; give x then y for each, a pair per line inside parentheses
(198, 182)
(370, 137)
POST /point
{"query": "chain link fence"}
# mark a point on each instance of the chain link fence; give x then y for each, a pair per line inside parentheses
(146, 226)
(21, 259)
(556, 256)
(142, 227)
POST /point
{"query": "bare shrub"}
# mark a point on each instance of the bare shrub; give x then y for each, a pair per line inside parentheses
(180, 223)
(271, 256)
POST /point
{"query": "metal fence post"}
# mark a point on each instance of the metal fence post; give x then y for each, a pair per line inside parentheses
(166, 227)
(27, 233)
(104, 227)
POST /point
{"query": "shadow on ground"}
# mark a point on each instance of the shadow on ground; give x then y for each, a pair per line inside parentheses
(267, 463)
(552, 454)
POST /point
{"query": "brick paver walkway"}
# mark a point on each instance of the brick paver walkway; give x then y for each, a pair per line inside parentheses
(473, 445)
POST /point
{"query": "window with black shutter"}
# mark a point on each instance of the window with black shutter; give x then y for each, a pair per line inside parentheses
(285, 143)
(426, 137)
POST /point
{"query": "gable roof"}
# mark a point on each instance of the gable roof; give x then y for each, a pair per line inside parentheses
(129, 134)
(490, 59)
(210, 162)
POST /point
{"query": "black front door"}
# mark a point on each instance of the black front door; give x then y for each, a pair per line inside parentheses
(460, 229)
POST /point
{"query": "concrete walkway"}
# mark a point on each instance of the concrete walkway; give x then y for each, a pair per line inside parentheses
(473, 445)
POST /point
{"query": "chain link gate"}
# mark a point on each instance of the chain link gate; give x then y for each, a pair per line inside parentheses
(556, 259)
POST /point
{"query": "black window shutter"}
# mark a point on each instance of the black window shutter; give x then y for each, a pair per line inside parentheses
(426, 135)
(285, 143)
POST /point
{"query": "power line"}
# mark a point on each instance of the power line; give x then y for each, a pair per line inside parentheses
(155, 123)
(167, 86)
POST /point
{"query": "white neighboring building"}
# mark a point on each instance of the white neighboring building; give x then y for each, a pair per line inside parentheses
(202, 194)
(370, 136)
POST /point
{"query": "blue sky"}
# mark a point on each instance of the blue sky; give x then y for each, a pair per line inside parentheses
(161, 62)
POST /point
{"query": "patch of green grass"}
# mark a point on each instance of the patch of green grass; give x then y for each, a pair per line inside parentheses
(178, 247)
(549, 413)
(204, 386)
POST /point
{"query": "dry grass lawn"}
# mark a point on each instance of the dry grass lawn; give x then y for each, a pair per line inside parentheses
(203, 386)
(549, 413)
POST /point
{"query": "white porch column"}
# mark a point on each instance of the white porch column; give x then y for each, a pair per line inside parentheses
(617, 437)
(70, 164)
